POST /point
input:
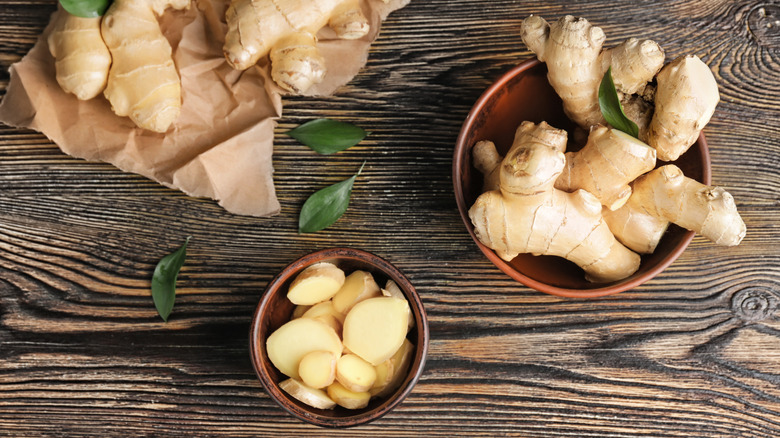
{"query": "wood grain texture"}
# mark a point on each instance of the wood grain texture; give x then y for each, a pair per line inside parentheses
(695, 352)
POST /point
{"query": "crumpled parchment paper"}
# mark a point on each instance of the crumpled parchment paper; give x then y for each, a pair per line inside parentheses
(222, 143)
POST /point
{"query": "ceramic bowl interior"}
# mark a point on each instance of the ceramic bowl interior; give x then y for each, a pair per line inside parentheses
(522, 94)
(274, 310)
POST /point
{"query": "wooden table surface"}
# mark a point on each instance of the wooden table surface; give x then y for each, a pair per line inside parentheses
(694, 352)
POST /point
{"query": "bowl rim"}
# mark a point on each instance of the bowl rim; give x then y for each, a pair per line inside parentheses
(421, 346)
(460, 198)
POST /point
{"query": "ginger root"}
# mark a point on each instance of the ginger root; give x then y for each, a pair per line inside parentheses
(666, 195)
(287, 30)
(82, 58)
(143, 82)
(528, 215)
(670, 116)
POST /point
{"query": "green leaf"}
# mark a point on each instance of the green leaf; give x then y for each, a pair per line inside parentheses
(326, 206)
(609, 102)
(164, 280)
(327, 136)
(86, 8)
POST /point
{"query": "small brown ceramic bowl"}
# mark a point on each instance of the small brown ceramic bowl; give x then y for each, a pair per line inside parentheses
(521, 94)
(274, 310)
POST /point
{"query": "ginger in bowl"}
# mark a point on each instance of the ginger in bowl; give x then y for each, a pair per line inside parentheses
(339, 338)
(614, 210)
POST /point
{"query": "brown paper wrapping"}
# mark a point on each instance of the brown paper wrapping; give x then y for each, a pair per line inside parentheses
(222, 143)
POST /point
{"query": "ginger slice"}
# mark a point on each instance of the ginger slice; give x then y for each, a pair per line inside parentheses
(355, 373)
(375, 328)
(391, 373)
(313, 397)
(346, 398)
(358, 286)
(315, 284)
(318, 368)
(295, 339)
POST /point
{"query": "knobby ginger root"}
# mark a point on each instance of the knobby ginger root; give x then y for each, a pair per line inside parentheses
(287, 30)
(685, 99)
(528, 215)
(576, 63)
(143, 82)
(82, 58)
(666, 195)
(606, 165)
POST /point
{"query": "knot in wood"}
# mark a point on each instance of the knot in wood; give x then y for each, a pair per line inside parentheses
(754, 304)
(764, 24)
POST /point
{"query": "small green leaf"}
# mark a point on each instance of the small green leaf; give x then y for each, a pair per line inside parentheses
(164, 280)
(327, 136)
(86, 8)
(609, 102)
(326, 206)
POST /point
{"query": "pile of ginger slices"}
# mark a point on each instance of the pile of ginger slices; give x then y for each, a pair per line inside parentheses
(602, 206)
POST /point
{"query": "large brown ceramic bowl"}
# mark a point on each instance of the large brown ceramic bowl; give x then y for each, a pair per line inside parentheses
(521, 94)
(275, 309)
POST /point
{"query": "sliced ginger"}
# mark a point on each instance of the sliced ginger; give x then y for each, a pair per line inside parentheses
(311, 396)
(375, 328)
(391, 373)
(309, 350)
(316, 283)
(355, 373)
(291, 342)
(347, 398)
(359, 286)
(318, 368)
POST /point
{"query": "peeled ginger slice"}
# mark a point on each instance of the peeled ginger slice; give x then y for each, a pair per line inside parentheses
(358, 286)
(295, 339)
(355, 373)
(316, 283)
(346, 398)
(316, 398)
(391, 373)
(318, 368)
(376, 328)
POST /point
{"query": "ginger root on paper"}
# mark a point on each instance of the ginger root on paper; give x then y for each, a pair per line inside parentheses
(670, 115)
(81, 57)
(528, 215)
(287, 29)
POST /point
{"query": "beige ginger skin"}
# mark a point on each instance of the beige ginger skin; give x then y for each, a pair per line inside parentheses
(666, 195)
(528, 215)
(576, 63)
(143, 83)
(287, 29)
(82, 58)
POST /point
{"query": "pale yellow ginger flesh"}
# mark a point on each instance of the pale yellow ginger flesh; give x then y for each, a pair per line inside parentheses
(82, 58)
(287, 30)
(143, 83)
(359, 286)
(572, 49)
(316, 283)
(375, 328)
(606, 165)
(685, 99)
(528, 215)
(666, 195)
(346, 398)
(318, 368)
(391, 373)
(311, 396)
(288, 344)
(355, 373)
(309, 347)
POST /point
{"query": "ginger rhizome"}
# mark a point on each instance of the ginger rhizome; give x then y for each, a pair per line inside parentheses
(287, 29)
(666, 195)
(528, 215)
(143, 83)
(670, 115)
(81, 57)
